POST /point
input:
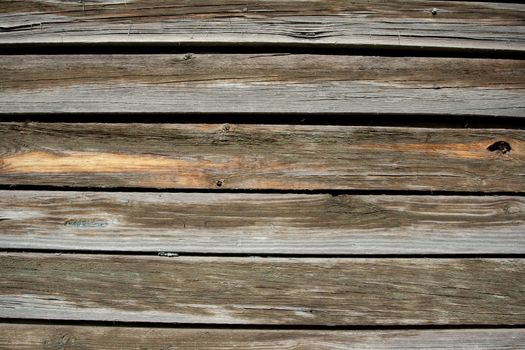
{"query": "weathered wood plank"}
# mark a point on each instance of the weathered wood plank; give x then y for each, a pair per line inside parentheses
(49, 337)
(261, 157)
(360, 23)
(237, 83)
(263, 290)
(262, 223)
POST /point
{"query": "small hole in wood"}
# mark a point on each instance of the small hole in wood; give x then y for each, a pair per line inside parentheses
(434, 11)
(219, 183)
(500, 146)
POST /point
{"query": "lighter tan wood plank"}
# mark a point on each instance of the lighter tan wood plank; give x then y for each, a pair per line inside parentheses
(212, 156)
(263, 290)
(261, 83)
(262, 223)
(50, 337)
(334, 23)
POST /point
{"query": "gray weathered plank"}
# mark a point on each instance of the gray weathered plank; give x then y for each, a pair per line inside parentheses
(263, 290)
(211, 156)
(51, 337)
(334, 23)
(262, 223)
(244, 83)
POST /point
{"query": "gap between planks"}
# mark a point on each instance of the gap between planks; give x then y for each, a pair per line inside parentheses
(149, 48)
(347, 119)
(326, 191)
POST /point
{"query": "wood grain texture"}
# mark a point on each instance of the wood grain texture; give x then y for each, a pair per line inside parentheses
(262, 223)
(263, 290)
(359, 23)
(212, 156)
(49, 337)
(262, 83)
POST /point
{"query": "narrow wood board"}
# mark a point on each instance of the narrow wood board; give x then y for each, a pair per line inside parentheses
(262, 223)
(212, 156)
(261, 83)
(263, 290)
(334, 23)
(50, 337)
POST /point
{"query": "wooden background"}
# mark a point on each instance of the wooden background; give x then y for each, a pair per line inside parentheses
(276, 174)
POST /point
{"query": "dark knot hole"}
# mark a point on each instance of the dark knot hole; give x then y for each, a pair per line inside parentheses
(500, 146)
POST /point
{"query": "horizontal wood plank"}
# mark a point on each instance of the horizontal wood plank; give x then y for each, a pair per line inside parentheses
(213, 156)
(262, 223)
(243, 83)
(49, 337)
(263, 290)
(335, 23)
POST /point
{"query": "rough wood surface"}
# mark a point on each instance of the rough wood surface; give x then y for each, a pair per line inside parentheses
(263, 290)
(262, 223)
(212, 156)
(262, 83)
(360, 23)
(48, 337)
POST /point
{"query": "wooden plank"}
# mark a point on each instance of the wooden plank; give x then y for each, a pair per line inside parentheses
(212, 156)
(50, 337)
(263, 290)
(334, 23)
(262, 223)
(243, 83)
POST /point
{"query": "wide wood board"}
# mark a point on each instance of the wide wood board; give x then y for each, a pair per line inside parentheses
(224, 156)
(278, 291)
(261, 83)
(54, 337)
(241, 223)
(397, 24)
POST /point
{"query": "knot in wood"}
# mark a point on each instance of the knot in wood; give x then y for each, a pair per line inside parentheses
(500, 146)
